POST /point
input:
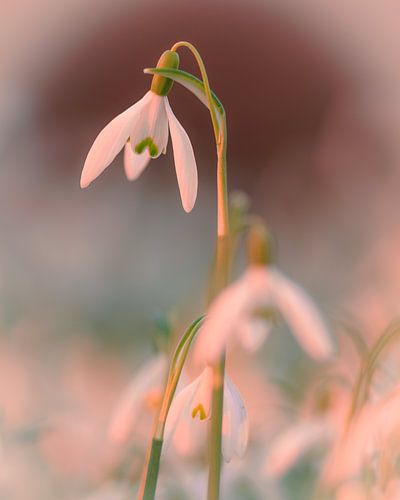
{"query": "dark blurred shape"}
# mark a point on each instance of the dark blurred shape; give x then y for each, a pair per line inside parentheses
(275, 81)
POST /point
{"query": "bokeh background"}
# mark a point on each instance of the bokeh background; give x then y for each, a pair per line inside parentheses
(311, 91)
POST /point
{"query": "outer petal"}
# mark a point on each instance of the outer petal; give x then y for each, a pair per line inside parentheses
(235, 423)
(230, 309)
(134, 164)
(149, 377)
(289, 446)
(152, 124)
(181, 426)
(252, 332)
(301, 315)
(185, 163)
(110, 141)
(180, 405)
(222, 318)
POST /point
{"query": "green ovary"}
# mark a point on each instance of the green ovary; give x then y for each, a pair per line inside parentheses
(147, 143)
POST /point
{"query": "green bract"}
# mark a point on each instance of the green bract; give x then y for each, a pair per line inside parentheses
(190, 82)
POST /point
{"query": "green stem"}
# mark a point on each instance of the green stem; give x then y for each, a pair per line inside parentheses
(215, 441)
(152, 471)
(152, 464)
(219, 280)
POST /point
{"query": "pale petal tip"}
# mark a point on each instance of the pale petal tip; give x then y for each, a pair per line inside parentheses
(84, 182)
(131, 176)
(188, 205)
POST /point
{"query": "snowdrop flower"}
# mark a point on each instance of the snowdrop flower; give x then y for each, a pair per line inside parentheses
(144, 390)
(142, 130)
(191, 409)
(234, 314)
(322, 422)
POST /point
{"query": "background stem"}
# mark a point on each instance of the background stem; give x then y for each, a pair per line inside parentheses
(220, 280)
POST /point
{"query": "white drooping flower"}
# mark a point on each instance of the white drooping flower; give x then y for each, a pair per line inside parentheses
(145, 390)
(191, 410)
(321, 423)
(372, 441)
(234, 313)
(142, 130)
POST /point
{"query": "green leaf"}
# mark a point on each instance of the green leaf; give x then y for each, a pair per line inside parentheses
(188, 81)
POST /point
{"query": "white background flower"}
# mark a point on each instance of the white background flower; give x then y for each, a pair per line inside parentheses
(234, 314)
(146, 384)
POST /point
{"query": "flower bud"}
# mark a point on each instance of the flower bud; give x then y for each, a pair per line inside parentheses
(259, 248)
(160, 84)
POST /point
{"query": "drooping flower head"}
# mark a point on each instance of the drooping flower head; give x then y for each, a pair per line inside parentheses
(142, 130)
(234, 314)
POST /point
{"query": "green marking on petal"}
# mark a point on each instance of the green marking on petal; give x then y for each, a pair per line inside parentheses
(199, 410)
(147, 143)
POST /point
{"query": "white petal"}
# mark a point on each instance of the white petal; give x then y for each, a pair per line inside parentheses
(222, 317)
(232, 306)
(203, 394)
(198, 392)
(302, 316)
(180, 402)
(295, 441)
(185, 163)
(153, 124)
(252, 332)
(149, 377)
(235, 423)
(134, 164)
(109, 142)
(190, 436)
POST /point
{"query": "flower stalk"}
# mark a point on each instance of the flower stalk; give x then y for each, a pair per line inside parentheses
(219, 279)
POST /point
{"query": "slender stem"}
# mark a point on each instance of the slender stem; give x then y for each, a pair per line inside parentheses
(215, 441)
(222, 183)
(220, 280)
